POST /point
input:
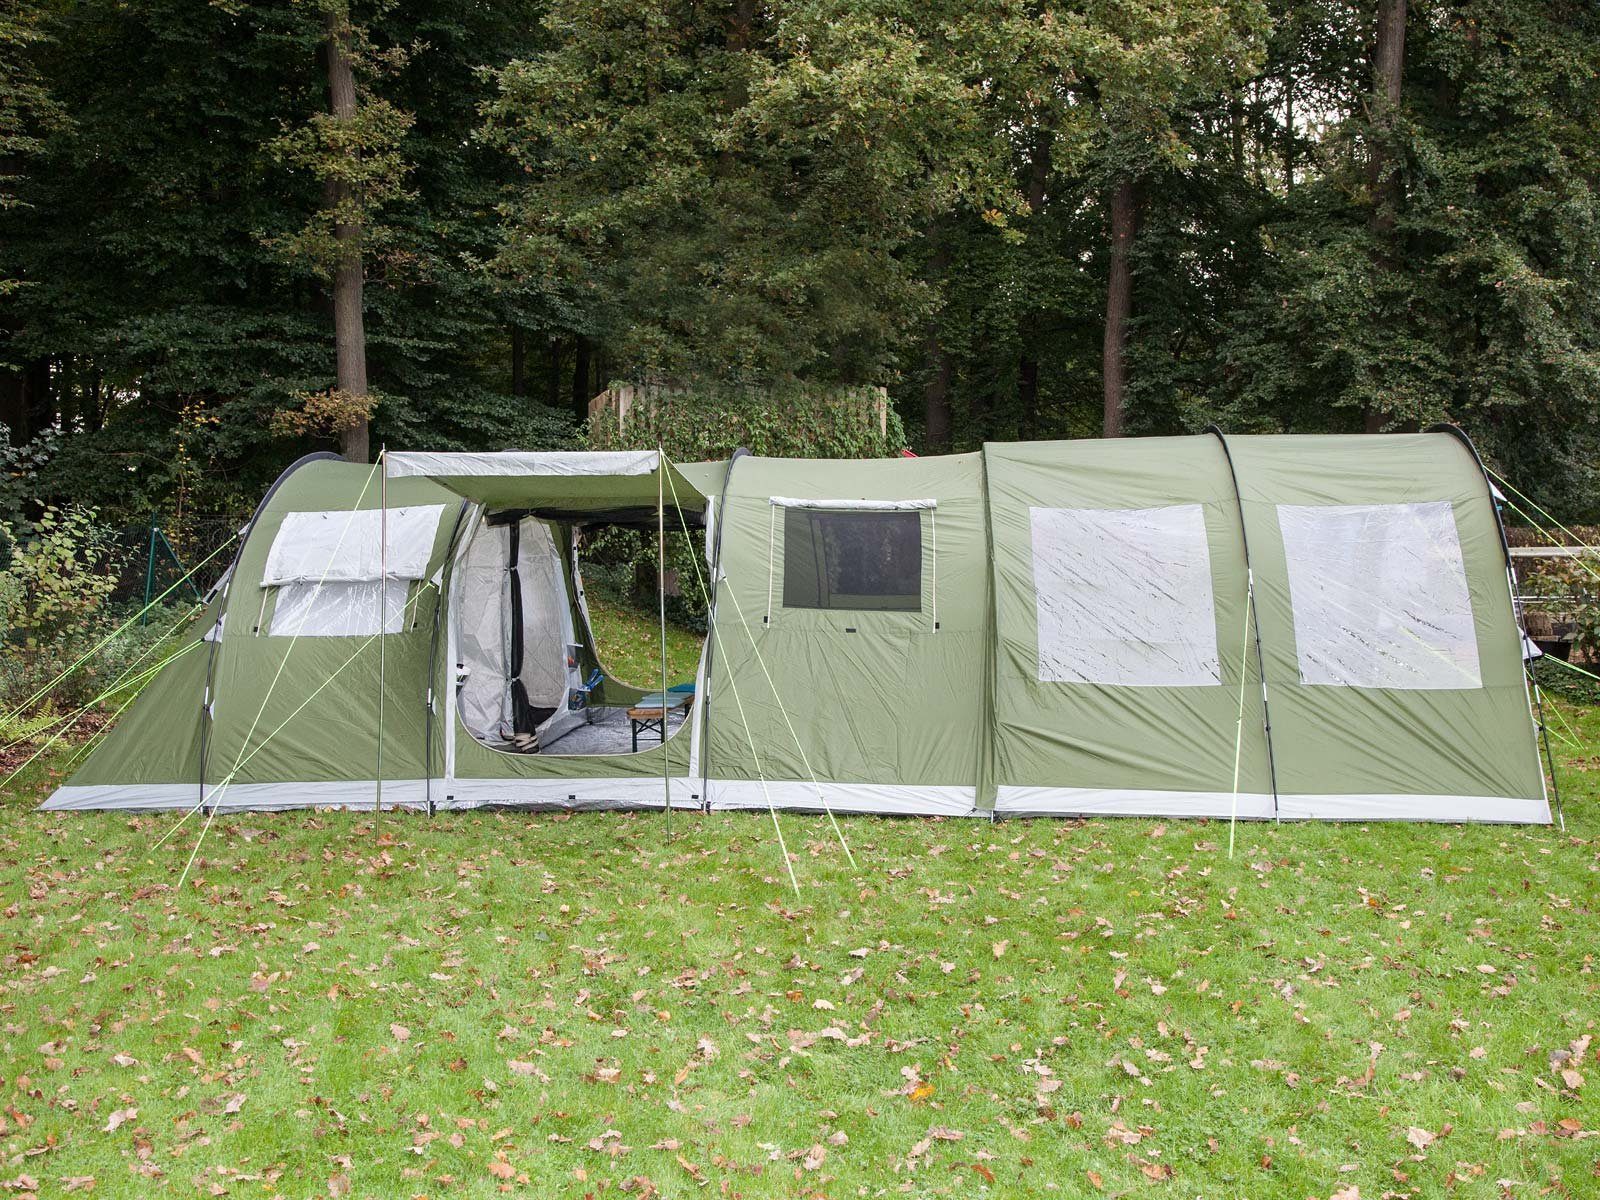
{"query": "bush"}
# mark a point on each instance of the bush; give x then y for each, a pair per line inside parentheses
(55, 604)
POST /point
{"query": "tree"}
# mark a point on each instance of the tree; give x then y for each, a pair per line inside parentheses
(156, 244)
(354, 151)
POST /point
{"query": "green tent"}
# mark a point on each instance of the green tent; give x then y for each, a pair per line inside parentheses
(1287, 626)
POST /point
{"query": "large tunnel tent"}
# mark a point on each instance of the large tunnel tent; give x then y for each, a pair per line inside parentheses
(1262, 627)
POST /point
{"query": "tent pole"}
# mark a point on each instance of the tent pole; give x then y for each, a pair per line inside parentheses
(1254, 615)
(703, 703)
(661, 604)
(433, 657)
(383, 611)
(149, 574)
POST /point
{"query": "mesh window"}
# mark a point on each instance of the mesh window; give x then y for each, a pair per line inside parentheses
(855, 560)
(342, 609)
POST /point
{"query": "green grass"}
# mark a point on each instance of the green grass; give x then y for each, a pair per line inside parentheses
(629, 644)
(485, 1003)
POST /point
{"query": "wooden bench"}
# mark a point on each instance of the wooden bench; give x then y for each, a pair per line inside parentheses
(649, 715)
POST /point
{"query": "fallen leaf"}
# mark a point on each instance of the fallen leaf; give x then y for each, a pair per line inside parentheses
(399, 1032)
(1420, 1138)
(118, 1117)
(1000, 948)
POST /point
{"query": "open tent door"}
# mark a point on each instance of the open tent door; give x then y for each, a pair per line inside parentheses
(543, 727)
(515, 643)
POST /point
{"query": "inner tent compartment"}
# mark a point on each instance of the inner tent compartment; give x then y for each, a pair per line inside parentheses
(528, 677)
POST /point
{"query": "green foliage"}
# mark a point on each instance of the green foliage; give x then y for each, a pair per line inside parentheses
(56, 606)
(149, 231)
(781, 199)
(57, 579)
(709, 422)
(1564, 593)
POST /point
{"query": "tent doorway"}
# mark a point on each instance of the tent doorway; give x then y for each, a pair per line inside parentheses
(523, 646)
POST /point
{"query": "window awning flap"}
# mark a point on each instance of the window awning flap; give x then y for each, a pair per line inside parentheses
(343, 546)
(854, 505)
(557, 482)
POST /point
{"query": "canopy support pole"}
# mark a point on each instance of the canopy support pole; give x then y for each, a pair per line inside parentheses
(383, 616)
(1254, 616)
(433, 659)
(703, 703)
(661, 604)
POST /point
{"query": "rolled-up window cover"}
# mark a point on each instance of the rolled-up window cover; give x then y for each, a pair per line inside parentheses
(854, 505)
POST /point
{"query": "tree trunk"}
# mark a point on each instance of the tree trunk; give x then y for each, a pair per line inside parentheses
(349, 326)
(580, 378)
(936, 397)
(552, 379)
(519, 362)
(94, 409)
(1388, 73)
(13, 408)
(1288, 129)
(1119, 304)
(1028, 367)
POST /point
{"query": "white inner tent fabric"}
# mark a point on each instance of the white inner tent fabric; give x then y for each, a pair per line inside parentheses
(484, 614)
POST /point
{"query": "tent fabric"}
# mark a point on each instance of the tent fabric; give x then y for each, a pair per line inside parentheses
(571, 481)
(1067, 628)
(853, 505)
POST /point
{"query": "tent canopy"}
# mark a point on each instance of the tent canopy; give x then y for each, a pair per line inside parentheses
(563, 484)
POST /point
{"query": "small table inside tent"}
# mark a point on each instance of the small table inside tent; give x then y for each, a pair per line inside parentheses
(650, 713)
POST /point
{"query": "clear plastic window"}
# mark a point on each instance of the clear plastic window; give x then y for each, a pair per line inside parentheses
(1123, 596)
(1380, 596)
(339, 609)
(852, 560)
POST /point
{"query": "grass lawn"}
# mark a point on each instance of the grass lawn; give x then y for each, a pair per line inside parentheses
(489, 1003)
(630, 645)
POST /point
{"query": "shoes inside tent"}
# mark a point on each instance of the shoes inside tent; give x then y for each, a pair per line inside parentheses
(1295, 627)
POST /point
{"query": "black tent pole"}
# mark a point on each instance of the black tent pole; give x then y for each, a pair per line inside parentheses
(1255, 620)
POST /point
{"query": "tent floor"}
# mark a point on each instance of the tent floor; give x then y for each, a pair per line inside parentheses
(607, 732)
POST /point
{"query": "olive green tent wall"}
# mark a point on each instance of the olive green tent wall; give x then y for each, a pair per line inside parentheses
(1084, 641)
(1095, 747)
(888, 709)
